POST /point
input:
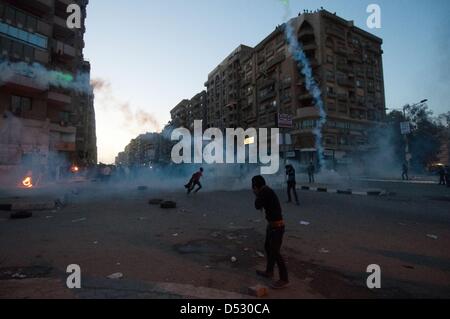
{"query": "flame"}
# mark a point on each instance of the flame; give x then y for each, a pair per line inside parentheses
(74, 169)
(28, 182)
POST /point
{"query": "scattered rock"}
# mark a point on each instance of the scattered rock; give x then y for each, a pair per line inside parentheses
(324, 251)
(233, 259)
(175, 235)
(115, 276)
(258, 291)
(21, 215)
(260, 254)
(303, 223)
(434, 237)
(18, 276)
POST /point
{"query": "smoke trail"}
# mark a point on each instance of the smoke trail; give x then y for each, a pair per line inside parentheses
(44, 77)
(133, 120)
(296, 50)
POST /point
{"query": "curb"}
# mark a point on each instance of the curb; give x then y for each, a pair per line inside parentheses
(342, 191)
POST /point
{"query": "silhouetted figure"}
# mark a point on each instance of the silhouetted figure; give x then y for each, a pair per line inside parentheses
(195, 181)
(292, 184)
(447, 176)
(267, 199)
(441, 173)
(311, 172)
(405, 172)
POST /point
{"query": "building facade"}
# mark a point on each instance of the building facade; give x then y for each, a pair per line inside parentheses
(253, 86)
(40, 122)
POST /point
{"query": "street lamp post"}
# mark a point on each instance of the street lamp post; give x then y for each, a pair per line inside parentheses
(408, 155)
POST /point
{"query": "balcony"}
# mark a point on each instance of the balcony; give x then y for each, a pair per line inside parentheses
(24, 83)
(70, 130)
(63, 147)
(59, 99)
(346, 82)
(306, 96)
(277, 59)
(63, 50)
(307, 112)
(60, 28)
(39, 7)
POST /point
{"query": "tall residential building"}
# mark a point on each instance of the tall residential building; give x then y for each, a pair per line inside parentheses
(253, 87)
(188, 111)
(347, 65)
(224, 90)
(43, 123)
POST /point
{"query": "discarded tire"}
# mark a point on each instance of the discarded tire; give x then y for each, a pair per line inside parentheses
(155, 201)
(168, 205)
(21, 215)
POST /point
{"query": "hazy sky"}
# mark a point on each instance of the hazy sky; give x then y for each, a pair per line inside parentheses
(156, 53)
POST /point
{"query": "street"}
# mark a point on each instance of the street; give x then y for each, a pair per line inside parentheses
(187, 252)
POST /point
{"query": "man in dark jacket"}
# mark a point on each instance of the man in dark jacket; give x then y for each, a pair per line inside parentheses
(195, 181)
(267, 199)
(442, 175)
(292, 183)
(311, 171)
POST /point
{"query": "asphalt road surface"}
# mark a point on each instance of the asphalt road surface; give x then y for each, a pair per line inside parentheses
(187, 252)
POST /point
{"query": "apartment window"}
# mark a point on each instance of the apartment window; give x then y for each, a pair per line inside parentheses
(20, 104)
(22, 35)
(64, 117)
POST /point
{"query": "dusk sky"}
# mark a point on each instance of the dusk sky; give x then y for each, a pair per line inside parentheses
(156, 53)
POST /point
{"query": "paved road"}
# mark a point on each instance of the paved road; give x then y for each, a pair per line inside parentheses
(186, 252)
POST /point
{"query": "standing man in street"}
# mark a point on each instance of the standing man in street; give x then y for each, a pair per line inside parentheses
(405, 172)
(267, 199)
(447, 176)
(311, 171)
(292, 184)
(442, 175)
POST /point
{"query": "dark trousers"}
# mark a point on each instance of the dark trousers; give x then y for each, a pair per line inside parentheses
(274, 240)
(311, 178)
(442, 180)
(292, 187)
(405, 176)
(192, 186)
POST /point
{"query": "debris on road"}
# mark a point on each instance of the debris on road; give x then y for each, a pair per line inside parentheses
(21, 215)
(79, 220)
(303, 223)
(260, 254)
(434, 237)
(233, 259)
(258, 291)
(115, 276)
(324, 251)
(18, 276)
(142, 188)
(168, 205)
(175, 235)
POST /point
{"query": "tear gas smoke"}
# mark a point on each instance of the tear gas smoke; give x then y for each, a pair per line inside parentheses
(45, 78)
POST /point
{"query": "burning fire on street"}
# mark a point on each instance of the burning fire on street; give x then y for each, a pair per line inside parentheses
(28, 182)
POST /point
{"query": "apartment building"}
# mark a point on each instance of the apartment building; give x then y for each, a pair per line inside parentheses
(253, 87)
(187, 111)
(224, 90)
(347, 65)
(42, 123)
